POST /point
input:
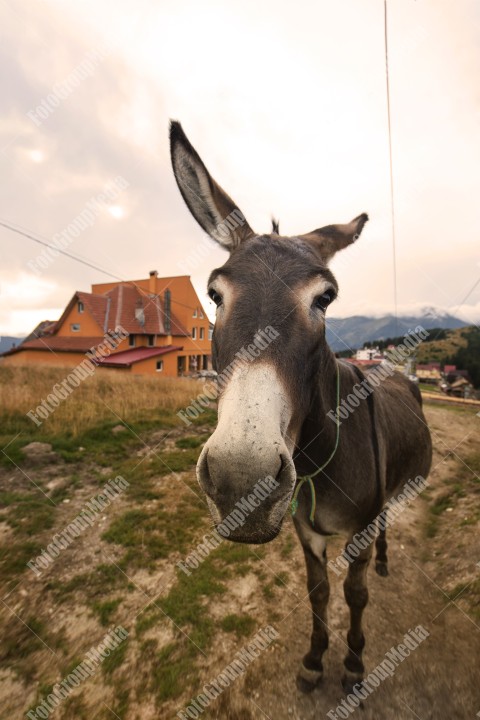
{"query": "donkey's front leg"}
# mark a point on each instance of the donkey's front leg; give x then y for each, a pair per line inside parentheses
(356, 595)
(311, 670)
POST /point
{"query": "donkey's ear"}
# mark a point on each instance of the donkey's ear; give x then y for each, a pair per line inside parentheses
(211, 207)
(332, 238)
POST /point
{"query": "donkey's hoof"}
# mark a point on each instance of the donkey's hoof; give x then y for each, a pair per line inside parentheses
(349, 681)
(308, 680)
(381, 569)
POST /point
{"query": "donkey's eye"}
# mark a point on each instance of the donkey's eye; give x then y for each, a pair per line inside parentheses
(213, 294)
(323, 301)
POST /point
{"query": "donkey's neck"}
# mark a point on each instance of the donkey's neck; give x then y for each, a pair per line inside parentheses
(318, 433)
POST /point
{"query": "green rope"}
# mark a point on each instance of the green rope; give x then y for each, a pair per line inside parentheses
(309, 478)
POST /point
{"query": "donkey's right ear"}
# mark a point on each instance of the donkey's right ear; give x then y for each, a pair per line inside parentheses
(211, 207)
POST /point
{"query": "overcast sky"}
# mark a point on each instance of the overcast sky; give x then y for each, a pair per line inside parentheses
(286, 104)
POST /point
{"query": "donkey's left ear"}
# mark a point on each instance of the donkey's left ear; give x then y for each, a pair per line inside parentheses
(332, 238)
(211, 207)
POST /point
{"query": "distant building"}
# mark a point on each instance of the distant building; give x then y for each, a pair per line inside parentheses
(459, 388)
(168, 329)
(369, 354)
(429, 372)
(449, 369)
(456, 382)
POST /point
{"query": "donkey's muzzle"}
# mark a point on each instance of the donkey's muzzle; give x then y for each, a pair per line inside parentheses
(247, 498)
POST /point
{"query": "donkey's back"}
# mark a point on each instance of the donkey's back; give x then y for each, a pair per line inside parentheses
(403, 433)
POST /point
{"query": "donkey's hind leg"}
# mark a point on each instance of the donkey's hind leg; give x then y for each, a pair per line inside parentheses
(381, 560)
(311, 669)
(356, 595)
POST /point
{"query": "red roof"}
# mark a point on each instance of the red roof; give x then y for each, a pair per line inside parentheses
(364, 363)
(429, 366)
(58, 343)
(46, 327)
(129, 357)
(136, 311)
(97, 305)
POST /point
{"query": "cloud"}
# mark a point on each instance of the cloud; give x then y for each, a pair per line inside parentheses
(286, 105)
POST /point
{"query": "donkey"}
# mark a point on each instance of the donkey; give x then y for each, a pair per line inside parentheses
(273, 412)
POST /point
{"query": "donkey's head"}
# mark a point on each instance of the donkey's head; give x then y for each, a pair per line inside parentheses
(269, 347)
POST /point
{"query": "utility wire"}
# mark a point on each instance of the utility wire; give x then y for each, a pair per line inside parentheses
(89, 264)
(469, 293)
(392, 204)
(56, 249)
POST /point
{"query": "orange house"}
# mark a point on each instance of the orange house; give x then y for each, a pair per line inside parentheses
(168, 329)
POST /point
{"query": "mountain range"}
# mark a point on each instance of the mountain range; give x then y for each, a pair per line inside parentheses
(353, 332)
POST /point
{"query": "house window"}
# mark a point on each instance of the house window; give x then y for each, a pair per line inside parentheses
(195, 313)
(159, 365)
(80, 307)
(202, 333)
(194, 333)
(75, 327)
(210, 332)
(151, 340)
(200, 314)
(131, 340)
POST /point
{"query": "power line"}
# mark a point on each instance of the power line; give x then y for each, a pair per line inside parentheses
(56, 249)
(392, 204)
(78, 259)
(469, 293)
(392, 201)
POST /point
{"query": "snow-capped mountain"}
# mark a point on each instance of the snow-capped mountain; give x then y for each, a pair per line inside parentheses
(353, 332)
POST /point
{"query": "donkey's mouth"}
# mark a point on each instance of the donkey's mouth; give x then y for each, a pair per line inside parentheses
(255, 539)
(256, 535)
(245, 510)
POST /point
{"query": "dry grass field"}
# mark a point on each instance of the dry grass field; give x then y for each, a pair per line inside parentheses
(184, 630)
(107, 395)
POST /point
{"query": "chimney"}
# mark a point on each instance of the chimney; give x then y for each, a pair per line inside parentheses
(167, 312)
(152, 283)
(140, 313)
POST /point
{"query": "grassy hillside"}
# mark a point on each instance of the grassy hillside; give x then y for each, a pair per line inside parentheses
(461, 348)
(469, 357)
(439, 350)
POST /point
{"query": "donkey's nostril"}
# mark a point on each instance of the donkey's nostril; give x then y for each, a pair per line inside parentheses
(283, 464)
(204, 476)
